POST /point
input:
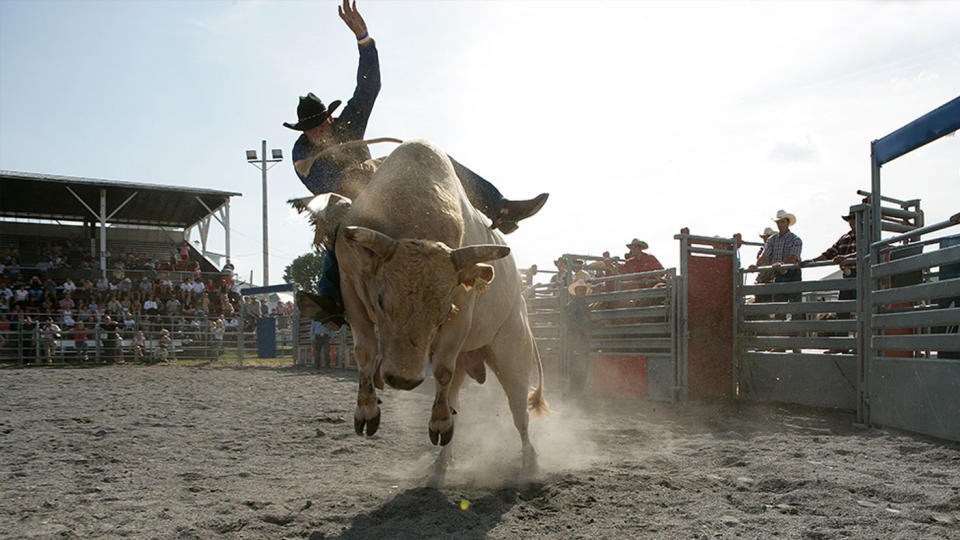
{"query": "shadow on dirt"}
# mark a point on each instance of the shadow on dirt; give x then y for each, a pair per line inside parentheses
(424, 512)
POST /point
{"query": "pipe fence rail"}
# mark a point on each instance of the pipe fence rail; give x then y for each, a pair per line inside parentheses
(26, 338)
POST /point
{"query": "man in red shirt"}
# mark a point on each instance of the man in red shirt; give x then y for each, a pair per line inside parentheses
(640, 262)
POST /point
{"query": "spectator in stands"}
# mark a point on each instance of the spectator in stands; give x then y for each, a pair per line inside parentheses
(783, 248)
(146, 285)
(173, 308)
(228, 268)
(114, 307)
(6, 291)
(638, 262)
(35, 288)
(187, 285)
(48, 304)
(84, 314)
(50, 286)
(67, 302)
(21, 296)
(150, 306)
(68, 320)
(68, 285)
(579, 331)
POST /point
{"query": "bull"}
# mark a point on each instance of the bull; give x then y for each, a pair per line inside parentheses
(417, 267)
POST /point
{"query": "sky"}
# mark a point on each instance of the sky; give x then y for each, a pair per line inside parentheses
(639, 118)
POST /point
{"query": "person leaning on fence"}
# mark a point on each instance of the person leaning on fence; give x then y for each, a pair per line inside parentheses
(80, 344)
(322, 336)
(764, 276)
(164, 343)
(639, 261)
(783, 248)
(844, 253)
(347, 170)
(48, 339)
(138, 346)
(560, 278)
(579, 332)
(112, 343)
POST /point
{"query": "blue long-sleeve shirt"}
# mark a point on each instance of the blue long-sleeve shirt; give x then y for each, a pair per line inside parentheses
(325, 174)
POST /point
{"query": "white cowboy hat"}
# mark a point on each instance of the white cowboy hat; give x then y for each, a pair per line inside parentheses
(768, 232)
(781, 214)
(579, 283)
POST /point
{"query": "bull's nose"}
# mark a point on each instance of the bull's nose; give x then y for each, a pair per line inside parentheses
(401, 383)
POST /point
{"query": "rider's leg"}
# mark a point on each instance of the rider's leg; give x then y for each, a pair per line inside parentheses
(327, 305)
(487, 198)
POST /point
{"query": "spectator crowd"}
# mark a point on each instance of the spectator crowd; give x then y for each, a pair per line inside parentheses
(141, 298)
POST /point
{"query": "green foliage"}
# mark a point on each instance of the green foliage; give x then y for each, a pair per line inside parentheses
(304, 271)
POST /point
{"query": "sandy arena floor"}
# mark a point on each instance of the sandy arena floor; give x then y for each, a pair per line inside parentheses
(219, 452)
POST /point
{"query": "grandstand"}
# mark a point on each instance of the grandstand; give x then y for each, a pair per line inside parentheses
(80, 249)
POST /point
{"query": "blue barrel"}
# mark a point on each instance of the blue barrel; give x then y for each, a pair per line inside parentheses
(267, 338)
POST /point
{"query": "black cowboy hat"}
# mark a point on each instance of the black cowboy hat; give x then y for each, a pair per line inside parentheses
(311, 112)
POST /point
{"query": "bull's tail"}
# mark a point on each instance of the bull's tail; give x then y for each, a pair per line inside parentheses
(535, 400)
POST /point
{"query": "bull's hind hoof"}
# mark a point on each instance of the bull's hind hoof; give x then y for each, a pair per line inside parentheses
(371, 425)
(442, 439)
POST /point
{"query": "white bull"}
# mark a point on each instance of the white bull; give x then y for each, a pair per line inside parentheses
(417, 262)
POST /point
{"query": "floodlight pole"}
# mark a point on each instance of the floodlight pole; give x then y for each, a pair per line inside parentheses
(262, 165)
(263, 170)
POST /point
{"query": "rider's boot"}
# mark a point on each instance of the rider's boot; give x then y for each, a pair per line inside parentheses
(513, 211)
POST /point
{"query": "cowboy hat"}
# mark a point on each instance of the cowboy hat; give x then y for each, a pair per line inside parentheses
(311, 112)
(767, 232)
(579, 283)
(637, 242)
(848, 217)
(783, 214)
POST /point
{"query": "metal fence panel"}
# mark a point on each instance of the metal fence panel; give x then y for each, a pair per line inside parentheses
(810, 379)
(915, 394)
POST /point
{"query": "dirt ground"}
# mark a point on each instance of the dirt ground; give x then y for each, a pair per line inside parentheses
(270, 452)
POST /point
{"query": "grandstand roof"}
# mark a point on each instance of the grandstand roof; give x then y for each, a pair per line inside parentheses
(47, 196)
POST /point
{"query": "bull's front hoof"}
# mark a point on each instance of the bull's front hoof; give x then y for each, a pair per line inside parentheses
(371, 425)
(442, 439)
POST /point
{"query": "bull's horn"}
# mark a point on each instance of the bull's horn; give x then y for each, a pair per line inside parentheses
(375, 241)
(466, 257)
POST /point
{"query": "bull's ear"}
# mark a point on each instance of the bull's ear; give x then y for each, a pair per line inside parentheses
(466, 257)
(478, 275)
(380, 244)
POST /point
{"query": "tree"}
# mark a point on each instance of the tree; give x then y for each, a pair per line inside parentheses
(305, 271)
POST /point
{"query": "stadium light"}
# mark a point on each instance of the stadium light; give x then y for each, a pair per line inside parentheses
(262, 164)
